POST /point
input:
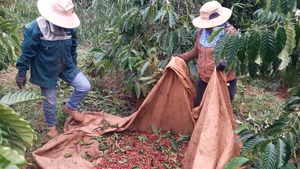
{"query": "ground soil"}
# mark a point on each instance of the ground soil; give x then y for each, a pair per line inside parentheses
(281, 92)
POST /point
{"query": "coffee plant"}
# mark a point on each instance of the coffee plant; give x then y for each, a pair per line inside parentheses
(269, 47)
(165, 27)
(9, 41)
(16, 133)
(271, 145)
(142, 40)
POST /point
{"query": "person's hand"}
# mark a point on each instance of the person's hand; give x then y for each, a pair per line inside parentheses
(21, 81)
(221, 65)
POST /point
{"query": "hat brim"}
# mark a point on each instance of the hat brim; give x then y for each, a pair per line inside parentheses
(224, 17)
(70, 21)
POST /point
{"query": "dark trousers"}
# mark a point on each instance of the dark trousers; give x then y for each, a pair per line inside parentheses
(202, 86)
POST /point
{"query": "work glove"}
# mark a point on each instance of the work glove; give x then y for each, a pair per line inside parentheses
(221, 65)
(21, 81)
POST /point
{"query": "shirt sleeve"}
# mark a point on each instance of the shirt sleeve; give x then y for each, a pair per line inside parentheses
(229, 28)
(74, 46)
(28, 50)
(192, 54)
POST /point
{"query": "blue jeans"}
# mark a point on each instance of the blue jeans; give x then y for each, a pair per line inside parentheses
(82, 87)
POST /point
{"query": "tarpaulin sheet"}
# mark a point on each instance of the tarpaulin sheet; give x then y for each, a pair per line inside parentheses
(213, 142)
(169, 106)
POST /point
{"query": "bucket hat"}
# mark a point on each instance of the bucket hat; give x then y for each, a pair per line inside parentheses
(59, 12)
(212, 14)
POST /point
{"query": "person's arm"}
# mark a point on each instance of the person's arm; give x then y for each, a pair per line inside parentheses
(28, 50)
(74, 46)
(229, 28)
(192, 54)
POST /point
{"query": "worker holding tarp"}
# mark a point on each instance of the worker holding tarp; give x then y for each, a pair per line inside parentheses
(213, 142)
(212, 15)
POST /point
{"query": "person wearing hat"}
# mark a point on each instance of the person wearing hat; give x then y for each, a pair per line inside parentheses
(49, 51)
(212, 14)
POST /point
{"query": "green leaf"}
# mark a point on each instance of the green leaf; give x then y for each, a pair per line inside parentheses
(174, 145)
(269, 157)
(15, 40)
(245, 135)
(236, 162)
(281, 153)
(13, 156)
(277, 126)
(292, 141)
(173, 41)
(130, 19)
(159, 15)
(289, 165)
(273, 5)
(215, 32)
(155, 130)
(253, 45)
(16, 122)
(97, 50)
(232, 49)
(137, 89)
(241, 128)
(172, 18)
(287, 6)
(129, 85)
(149, 14)
(250, 144)
(242, 46)
(166, 40)
(20, 96)
(170, 48)
(289, 46)
(267, 47)
(252, 68)
(3, 66)
(219, 51)
(280, 38)
(1, 138)
(14, 141)
(6, 164)
(289, 149)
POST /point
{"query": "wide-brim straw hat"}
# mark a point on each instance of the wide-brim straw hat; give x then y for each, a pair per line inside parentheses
(212, 14)
(59, 12)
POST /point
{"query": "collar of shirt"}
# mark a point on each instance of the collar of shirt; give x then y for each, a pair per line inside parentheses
(51, 32)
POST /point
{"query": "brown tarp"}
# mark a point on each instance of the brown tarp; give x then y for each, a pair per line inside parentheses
(168, 106)
(213, 142)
